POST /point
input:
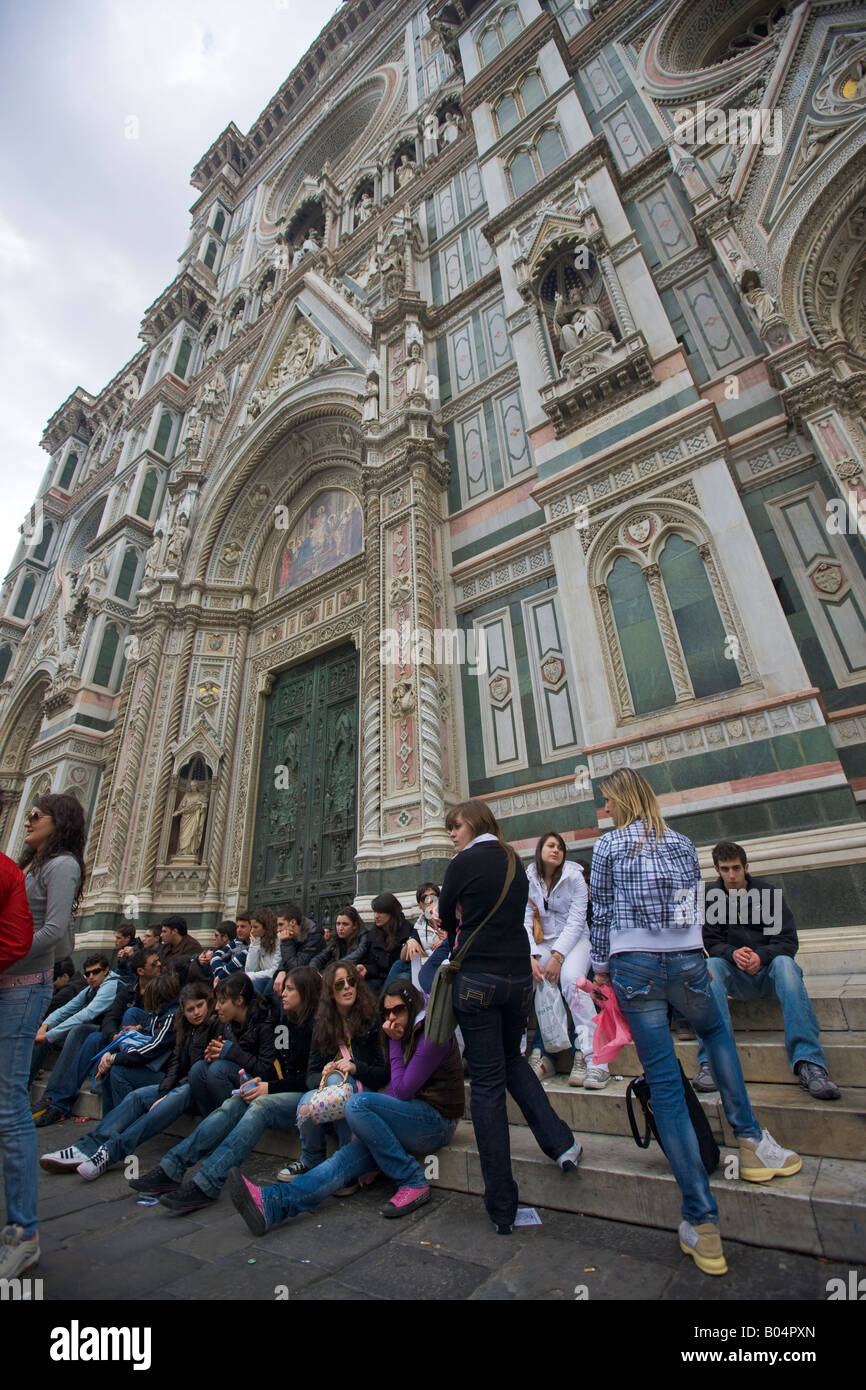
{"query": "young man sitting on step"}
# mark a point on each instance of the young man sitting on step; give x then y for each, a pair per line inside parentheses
(750, 937)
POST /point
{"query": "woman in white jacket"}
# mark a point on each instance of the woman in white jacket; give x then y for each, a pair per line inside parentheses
(263, 958)
(557, 900)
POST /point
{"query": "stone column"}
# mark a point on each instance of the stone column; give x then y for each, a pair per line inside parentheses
(670, 641)
(159, 803)
(371, 683)
(614, 651)
(218, 859)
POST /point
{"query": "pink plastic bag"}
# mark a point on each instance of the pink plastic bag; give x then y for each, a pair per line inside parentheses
(611, 1030)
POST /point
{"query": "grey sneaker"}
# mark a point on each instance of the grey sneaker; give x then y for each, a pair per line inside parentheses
(596, 1079)
(16, 1253)
(705, 1081)
(578, 1070)
(814, 1079)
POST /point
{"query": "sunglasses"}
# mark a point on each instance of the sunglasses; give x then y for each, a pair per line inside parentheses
(35, 815)
(340, 985)
(97, 971)
(429, 898)
(400, 1009)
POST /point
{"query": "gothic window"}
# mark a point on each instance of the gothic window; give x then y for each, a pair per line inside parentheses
(550, 149)
(25, 593)
(504, 28)
(68, 473)
(147, 494)
(489, 44)
(699, 627)
(219, 221)
(527, 166)
(640, 641)
(183, 356)
(42, 548)
(522, 173)
(126, 577)
(5, 658)
(106, 657)
(210, 255)
(163, 434)
(749, 32)
(514, 106)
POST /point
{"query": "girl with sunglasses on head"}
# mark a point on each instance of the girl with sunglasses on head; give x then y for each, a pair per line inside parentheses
(416, 1113)
(53, 861)
(231, 1132)
(345, 1048)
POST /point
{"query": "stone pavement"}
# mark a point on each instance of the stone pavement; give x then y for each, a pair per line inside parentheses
(98, 1244)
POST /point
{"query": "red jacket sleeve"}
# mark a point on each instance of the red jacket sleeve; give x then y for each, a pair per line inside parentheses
(16, 921)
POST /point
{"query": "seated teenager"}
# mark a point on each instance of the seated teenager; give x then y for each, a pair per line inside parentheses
(150, 1109)
(229, 954)
(415, 1114)
(433, 939)
(382, 953)
(345, 1047)
(263, 957)
(69, 1028)
(126, 944)
(231, 1132)
(68, 981)
(178, 949)
(137, 1058)
(246, 1042)
(347, 940)
(300, 941)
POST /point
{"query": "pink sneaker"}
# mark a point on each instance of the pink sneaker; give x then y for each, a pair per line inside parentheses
(405, 1199)
(247, 1199)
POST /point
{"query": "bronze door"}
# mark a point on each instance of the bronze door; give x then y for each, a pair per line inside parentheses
(305, 834)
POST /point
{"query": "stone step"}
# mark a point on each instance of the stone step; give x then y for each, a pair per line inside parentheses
(839, 1002)
(764, 1059)
(826, 1129)
(819, 1211)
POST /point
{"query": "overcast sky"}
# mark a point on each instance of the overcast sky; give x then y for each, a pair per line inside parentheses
(92, 222)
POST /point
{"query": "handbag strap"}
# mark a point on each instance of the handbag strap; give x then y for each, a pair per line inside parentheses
(457, 960)
(629, 1105)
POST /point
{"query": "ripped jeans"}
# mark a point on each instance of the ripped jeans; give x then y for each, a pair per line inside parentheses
(645, 982)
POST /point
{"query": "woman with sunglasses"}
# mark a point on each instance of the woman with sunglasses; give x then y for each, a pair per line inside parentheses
(53, 861)
(416, 1113)
(345, 1048)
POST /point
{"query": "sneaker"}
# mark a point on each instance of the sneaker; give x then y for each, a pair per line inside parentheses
(705, 1081)
(16, 1253)
(62, 1160)
(578, 1070)
(154, 1183)
(188, 1197)
(247, 1199)
(51, 1116)
(704, 1244)
(596, 1079)
(763, 1159)
(814, 1079)
(293, 1170)
(348, 1191)
(542, 1066)
(405, 1199)
(569, 1160)
(95, 1166)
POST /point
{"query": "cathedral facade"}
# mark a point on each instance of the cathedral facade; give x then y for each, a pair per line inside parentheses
(503, 426)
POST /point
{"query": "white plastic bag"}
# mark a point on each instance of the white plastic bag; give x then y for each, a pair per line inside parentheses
(416, 963)
(551, 1016)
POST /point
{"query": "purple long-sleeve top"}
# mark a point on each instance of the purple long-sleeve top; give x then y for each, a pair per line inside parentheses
(406, 1081)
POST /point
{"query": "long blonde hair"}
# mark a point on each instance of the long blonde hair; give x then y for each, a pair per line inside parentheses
(634, 799)
(481, 821)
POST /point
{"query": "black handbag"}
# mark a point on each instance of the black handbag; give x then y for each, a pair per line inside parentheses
(639, 1090)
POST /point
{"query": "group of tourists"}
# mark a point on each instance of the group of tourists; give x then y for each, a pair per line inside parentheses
(280, 1024)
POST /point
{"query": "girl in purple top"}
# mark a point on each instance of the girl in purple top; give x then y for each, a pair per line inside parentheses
(417, 1112)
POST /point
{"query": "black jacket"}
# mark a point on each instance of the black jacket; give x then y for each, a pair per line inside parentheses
(338, 949)
(252, 1042)
(187, 1053)
(66, 992)
(294, 1041)
(296, 953)
(371, 1067)
(375, 956)
(472, 884)
(757, 917)
(128, 996)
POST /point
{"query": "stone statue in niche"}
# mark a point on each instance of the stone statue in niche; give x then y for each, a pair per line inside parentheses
(177, 543)
(193, 814)
(431, 136)
(151, 561)
(416, 369)
(772, 327)
(576, 322)
(364, 207)
(308, 247)
(452, 126)
(405, 171)
(370, 410)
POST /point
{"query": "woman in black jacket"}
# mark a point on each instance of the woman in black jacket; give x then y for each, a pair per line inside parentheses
(347, 942)
(492, 994)
(231, 1132)
(386, 951)
(246, 1042)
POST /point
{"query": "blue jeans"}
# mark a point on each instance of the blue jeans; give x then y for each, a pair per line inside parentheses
(493, 1011)
(427, 973)
(212, 1083)
(63, 1092)
(384, 1129)
(121, 1080)
(132, 1122)
(66, 1066)
(783, 979)
(228, 1135)
(645, 982)
(21, 1010)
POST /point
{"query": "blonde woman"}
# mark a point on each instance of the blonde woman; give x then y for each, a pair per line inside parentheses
(647, 942)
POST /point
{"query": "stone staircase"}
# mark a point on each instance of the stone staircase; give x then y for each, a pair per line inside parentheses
(820, 1211)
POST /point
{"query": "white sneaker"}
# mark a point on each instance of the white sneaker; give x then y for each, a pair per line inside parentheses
(542, 1066)
(596, 1078)
(579, 1070)
(765, 1159)
(95, 1166)
(62, 1160)
(16, 1253)
(570, 1159)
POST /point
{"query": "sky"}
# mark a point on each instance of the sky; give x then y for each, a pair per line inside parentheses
(92, 222)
